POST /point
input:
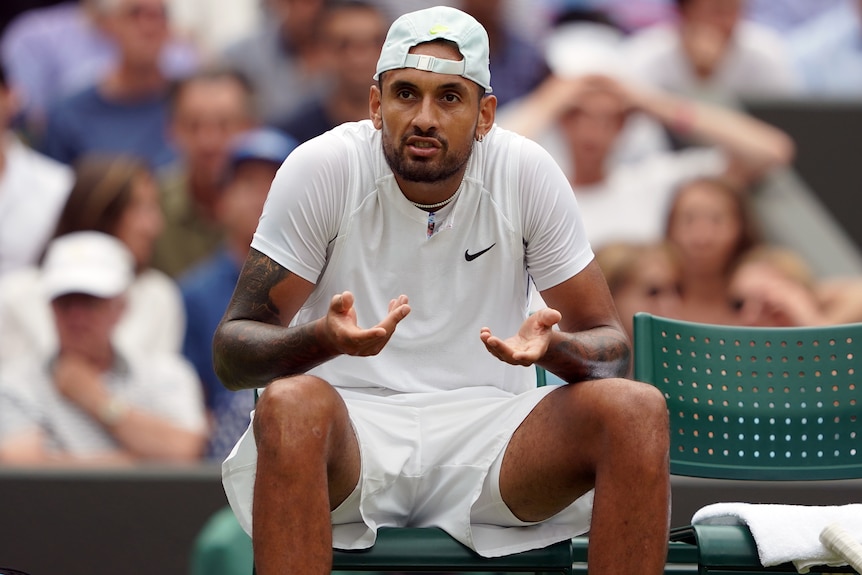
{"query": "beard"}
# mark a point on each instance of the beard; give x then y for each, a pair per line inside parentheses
(424, 170)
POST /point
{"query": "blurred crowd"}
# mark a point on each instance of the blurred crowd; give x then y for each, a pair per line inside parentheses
(140, 138)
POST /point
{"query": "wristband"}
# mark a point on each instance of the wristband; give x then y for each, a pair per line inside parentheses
(683, 118)
(114, 410)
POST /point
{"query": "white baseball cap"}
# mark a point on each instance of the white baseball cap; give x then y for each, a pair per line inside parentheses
(583, 48)
(87, 262)
(438, 23)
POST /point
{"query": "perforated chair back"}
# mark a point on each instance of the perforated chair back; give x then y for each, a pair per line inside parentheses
(756, 403)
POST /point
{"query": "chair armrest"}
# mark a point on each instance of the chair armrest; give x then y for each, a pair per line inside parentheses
(731, 548)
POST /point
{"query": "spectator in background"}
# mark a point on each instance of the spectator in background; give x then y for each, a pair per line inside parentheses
(207, 109)
(117, 196)
(87, 402)
(45, 70)
(351, 35)
(773, 286)
(827, 52)
(628, 200)
(213, 25)
(785, 16)
(207, 288)
(642, 277)
(582, 43)
(33, 189)
(711, 225)
(712, 53)
(281, 59)
(517, 63)
(126, 111)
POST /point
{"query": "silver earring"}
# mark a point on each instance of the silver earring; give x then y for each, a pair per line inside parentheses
(480, 137)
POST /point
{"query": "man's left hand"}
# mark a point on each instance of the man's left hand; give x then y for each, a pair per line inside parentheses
(530, 343)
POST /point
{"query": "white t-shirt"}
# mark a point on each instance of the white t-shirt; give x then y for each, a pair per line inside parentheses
(632, 203)
(757, 63)
(336, 217)
(33, 191)
(163, 385)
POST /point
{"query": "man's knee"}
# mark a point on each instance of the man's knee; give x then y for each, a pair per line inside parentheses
(296, 409)
(632, 411)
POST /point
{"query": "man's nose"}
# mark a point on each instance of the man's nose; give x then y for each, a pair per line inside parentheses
(426, 118)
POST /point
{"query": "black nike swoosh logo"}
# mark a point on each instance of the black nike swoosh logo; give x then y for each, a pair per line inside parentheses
(470, 257)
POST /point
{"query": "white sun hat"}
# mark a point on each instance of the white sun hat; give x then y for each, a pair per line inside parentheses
(87, 262)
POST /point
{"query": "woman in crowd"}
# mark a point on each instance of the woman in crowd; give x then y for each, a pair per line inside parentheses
(116, 195)
(710, 224)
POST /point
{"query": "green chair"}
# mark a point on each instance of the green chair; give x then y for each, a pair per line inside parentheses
(221, 547)
(778, 404)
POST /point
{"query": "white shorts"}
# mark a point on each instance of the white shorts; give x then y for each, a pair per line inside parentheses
(428, 459)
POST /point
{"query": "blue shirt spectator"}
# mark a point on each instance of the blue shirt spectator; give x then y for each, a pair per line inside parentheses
(90, 122)
(126, 111)
(43, 71)
(207, 288)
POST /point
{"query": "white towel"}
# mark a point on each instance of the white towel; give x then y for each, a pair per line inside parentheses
(787, 533)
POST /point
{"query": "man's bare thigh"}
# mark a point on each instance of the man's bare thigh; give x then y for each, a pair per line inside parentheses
(550, 460)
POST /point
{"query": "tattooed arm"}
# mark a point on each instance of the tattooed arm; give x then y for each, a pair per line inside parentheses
(591, 342)
(253, 345)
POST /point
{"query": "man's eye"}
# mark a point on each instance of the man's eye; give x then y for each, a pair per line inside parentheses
(405, 94)
(451, 98)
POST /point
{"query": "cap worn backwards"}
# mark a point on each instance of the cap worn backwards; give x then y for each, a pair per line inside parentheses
(438, 23)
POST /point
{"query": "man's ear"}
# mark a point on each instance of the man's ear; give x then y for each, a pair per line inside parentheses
(487, 115)
(374, 105)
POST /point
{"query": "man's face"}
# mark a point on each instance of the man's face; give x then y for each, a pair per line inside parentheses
(207, 115)
(140, 28)
(593, 128)
(720, 15)
(429, 120)
(352, 39)
(296, 16)
(242, 200)
(85, 322)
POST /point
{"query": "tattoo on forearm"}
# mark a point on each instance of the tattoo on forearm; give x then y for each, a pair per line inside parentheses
(252, 345)
(596, 354)
(259, 277)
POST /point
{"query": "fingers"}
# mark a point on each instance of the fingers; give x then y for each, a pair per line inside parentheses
(492, 343)
(399, 308)
(397, 302)
(548, 317)
(506, 351)
(351, 339)
(342, 302)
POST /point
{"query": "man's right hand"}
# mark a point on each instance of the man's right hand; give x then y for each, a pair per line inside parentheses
(340, 330)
